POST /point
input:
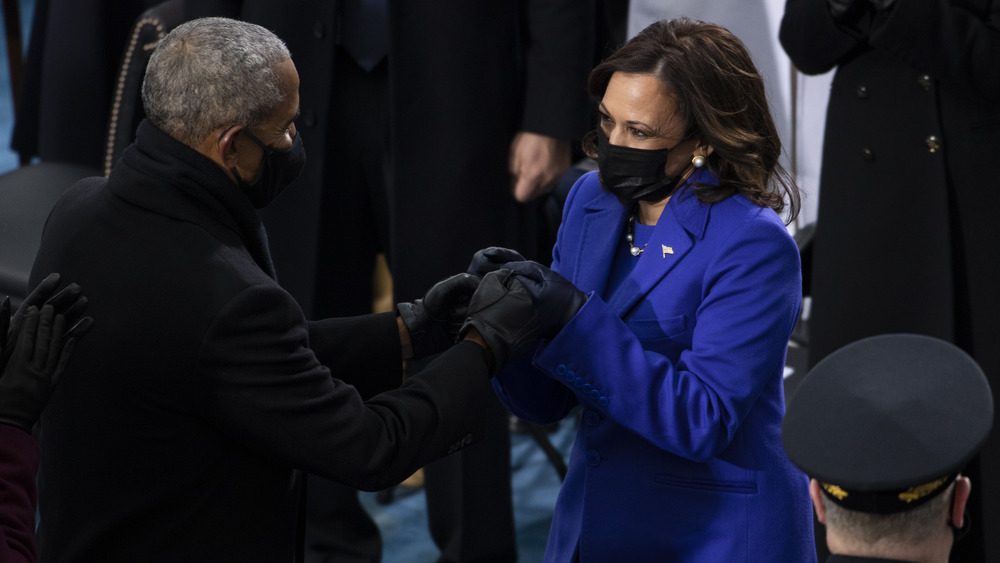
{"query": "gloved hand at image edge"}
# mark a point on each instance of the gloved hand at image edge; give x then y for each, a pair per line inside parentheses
(518, 304)
(68, 302)
(492, 259)
(36, 361)
(434, 321)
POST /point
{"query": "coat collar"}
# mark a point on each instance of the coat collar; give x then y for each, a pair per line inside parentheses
(684, 220)
(161, 174)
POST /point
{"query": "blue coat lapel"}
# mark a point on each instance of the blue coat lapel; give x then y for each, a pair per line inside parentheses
(654, 262)
(599, 239)
(672, 239)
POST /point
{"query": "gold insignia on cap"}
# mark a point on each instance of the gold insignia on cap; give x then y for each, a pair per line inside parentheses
(920, 491)
(667, 250)
(834, 490)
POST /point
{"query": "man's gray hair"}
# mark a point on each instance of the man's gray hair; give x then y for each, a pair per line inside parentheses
(903, 528)
(210, 73)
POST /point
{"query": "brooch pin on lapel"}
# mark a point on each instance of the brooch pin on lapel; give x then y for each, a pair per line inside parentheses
(667, 250)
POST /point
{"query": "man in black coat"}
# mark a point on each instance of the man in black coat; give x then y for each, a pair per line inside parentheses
(907, 236)
(181, 428)
(424, 151)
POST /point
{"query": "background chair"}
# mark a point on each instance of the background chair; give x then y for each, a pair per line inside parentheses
(28, 193)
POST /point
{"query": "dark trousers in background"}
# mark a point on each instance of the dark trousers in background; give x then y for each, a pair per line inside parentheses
(354, 228)
(469, 506)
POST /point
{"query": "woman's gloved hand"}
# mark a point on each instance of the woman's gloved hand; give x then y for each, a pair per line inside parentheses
(520, 303)
(492, 259)
(556, 298)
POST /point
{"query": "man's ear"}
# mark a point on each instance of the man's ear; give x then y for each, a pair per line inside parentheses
(228, 147)
(817, 497)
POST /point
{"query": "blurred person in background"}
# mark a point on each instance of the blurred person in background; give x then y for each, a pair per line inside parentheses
(906, 236)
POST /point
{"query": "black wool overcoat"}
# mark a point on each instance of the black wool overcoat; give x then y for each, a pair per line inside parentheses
(186, 414)
(908, 232)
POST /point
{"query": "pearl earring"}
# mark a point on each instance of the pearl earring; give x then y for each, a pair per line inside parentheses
(698, 161)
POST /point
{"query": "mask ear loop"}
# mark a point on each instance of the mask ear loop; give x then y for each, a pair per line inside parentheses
(266, 149)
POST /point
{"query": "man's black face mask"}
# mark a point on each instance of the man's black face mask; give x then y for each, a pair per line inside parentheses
(278, 168)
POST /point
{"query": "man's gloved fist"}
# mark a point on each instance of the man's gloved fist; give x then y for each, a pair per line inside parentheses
(491, 259)
(518, 304)
(434, 321)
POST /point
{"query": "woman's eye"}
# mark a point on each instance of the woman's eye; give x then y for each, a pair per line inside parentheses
(637, 133)
(606, 124)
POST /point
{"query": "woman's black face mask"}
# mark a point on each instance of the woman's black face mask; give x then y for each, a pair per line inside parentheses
(278, 168)
(632, 174)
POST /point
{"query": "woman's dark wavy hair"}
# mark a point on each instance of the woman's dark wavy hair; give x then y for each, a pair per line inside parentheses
(720, 98)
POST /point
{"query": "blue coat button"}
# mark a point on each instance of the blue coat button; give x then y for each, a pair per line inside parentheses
(594, 394)
(570, 376)
(587, 388)
(603, 401)
(591, 418)
(561, 369)
(593, 458)
(579, 382)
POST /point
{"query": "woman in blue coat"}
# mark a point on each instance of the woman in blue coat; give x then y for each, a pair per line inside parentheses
(692, 289)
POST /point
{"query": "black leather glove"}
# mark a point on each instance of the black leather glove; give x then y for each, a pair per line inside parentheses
(35, 363)
(555, 297)
(518, 304)
(882, 5)
(68, 302)
(847, 11)
(434, 321)
(491, 259)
